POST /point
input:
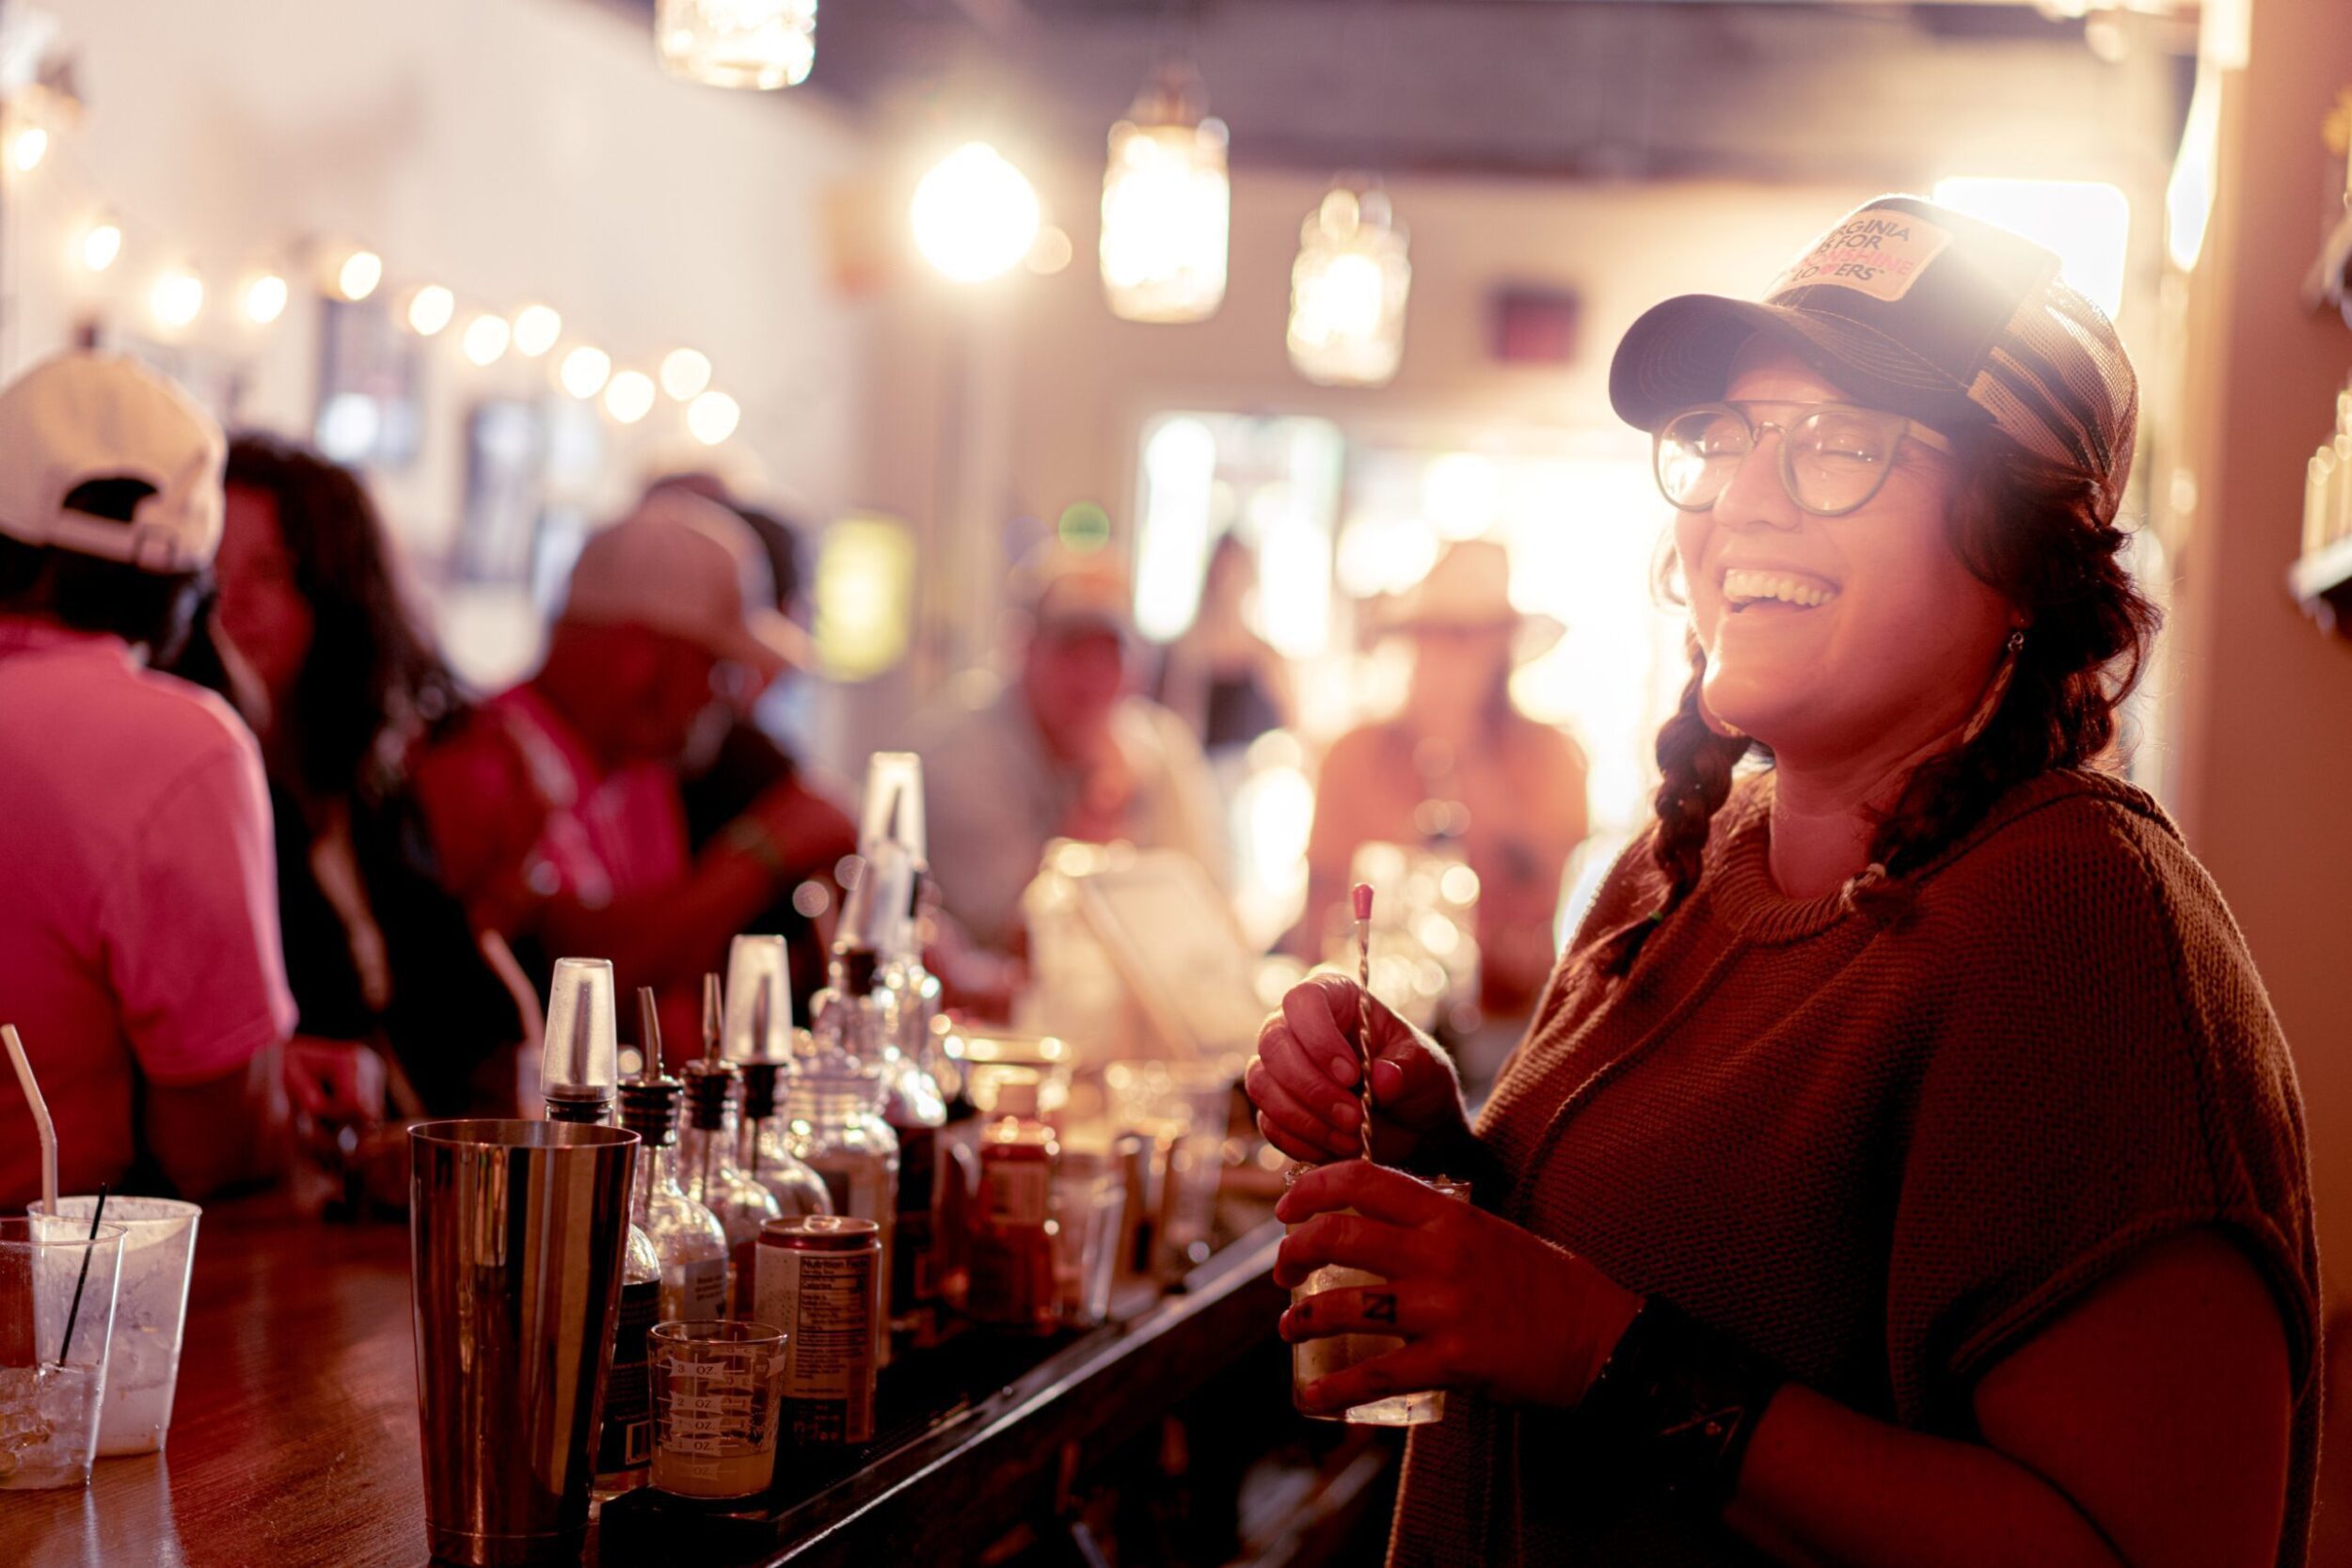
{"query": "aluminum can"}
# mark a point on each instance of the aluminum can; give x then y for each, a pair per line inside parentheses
(820, 1279)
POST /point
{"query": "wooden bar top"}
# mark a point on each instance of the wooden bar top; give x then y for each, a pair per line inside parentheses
(295, 1440)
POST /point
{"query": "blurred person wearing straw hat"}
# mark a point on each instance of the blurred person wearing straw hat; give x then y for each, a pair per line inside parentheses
(555, 812)
(139, 952)
(1459, 765)
(1905, 1167)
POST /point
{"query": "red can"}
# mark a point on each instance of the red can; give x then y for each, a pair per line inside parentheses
(820, 1279)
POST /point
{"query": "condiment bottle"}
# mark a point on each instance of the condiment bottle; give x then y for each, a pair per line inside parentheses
(1012, 1245)
(707, 1156)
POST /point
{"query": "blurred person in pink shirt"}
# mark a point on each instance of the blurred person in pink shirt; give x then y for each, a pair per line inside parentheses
(138, 918)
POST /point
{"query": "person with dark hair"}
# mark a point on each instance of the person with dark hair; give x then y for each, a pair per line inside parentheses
(345, 685)
(1904, 1167)
(138, 926)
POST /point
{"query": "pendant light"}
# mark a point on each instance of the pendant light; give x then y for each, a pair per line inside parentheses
(1166, 204)
(737, 43)
(1348, 288)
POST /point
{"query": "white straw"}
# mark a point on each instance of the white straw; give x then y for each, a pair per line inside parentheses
(40, 1117)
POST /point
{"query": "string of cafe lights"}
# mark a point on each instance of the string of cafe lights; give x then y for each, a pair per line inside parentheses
(180, 295)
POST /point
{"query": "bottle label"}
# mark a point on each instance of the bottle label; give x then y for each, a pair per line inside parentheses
(627, 1441)
(829, 1305)
(695, 1288)
(1020, 1192)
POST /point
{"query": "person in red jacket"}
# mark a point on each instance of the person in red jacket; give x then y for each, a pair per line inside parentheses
(1904, 1167)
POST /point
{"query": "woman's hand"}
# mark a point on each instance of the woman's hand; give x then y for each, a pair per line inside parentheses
(1303, 1081)
(1482, 1305)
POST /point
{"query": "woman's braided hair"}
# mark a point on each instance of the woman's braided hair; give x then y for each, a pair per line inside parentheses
(2033, 531)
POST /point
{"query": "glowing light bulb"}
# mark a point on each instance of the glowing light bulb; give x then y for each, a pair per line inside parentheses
(486, 339)
(629, 396)
(431, 308)
(584, 370)
(27, 147)
(974, 215)
(362, 271)
(684, 374)
(536, 328)
(712, 417)
(265, 298)
(102, 242)
(177, 299)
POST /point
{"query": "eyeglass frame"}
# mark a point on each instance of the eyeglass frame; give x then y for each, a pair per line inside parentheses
(1902, 426)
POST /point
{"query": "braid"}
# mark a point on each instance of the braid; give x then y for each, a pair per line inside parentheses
(1695, 763)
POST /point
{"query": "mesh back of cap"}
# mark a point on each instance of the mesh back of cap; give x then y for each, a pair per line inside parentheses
(2058, 384)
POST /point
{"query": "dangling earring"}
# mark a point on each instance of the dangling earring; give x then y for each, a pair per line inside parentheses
(1998, 688)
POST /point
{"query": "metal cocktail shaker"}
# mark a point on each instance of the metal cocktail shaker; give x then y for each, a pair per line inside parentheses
(517, 1231)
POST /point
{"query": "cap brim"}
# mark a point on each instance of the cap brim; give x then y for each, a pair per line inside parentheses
(770, 644)
(1681, 352)
(1533, 633)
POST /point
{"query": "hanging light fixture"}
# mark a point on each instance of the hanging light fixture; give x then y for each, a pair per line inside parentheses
(1348, 289)
(738, 44)
(1166, 204)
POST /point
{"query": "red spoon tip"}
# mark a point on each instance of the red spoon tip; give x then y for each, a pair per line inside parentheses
(1363, 900)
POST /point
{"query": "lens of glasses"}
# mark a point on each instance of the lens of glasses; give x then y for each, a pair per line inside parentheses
(1833, 460)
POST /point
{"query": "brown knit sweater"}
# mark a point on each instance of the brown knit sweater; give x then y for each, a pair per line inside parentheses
(1883, 1140)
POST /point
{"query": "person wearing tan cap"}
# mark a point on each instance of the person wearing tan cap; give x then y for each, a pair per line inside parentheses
(139, 912)
(1065, 749)
(556, 813)
(1461, 766)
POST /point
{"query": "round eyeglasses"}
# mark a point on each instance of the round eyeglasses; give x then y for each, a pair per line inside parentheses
(1833, 456)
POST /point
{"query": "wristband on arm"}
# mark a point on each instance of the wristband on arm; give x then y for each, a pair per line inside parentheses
(1684, 1401)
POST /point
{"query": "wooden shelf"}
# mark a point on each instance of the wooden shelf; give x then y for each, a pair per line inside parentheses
(2322, 584)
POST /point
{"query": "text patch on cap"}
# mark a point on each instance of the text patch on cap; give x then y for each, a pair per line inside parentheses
(1876, 253)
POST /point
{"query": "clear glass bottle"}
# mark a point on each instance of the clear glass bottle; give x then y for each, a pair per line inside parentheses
(836, 1129)
(712, 1178)
(760, 1147)
(687, 1237)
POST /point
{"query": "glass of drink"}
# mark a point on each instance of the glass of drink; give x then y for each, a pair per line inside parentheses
(58, 1283)
(1089, 1200)
(718, 1385)
(150, 1311)
(1315, 1359)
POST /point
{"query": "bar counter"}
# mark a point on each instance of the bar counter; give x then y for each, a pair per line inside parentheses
(294, 1434)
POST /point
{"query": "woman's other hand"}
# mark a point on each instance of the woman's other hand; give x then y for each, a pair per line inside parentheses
(1303, 1081)
(1482, 1305)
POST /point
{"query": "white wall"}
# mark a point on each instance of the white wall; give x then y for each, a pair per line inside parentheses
(512, 149)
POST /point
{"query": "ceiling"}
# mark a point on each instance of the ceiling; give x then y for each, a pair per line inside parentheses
(1565, 88)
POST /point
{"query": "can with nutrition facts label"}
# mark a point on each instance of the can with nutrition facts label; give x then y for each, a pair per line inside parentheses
(819, 1279)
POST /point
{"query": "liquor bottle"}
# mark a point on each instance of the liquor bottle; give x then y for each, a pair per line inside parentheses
(835, 1128)
(578, 1073)
(707, 1156)
(1013, 1243)
(687, 1237)
(758, 1030)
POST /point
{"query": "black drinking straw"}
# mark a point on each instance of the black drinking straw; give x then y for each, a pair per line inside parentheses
(96, 1214)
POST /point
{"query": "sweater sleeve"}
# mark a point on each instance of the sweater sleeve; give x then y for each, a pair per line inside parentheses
(2107, 1074)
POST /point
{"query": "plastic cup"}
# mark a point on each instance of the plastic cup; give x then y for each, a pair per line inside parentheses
(718, 1387)
(1090, 1200)
(150, 1315)
(51, 1385)
(1314, 1360)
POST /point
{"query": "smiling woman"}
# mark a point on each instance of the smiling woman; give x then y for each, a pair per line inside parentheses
(1904, 1167)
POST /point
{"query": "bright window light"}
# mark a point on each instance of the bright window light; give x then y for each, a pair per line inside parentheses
(2188, 194)
(2088, 224)
(1172, 543)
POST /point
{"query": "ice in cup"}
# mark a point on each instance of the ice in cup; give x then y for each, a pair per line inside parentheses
(718, 1390)
(57, 1280)
(151, 1313)
(1314, 1360)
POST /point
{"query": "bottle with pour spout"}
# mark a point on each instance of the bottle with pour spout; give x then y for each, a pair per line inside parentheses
(837, 1091)
(579, 1074)
(707, 1155)
(688, 1238)
(759, 1033)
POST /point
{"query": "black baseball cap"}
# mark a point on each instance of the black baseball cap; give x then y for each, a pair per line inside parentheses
(1915, 308)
